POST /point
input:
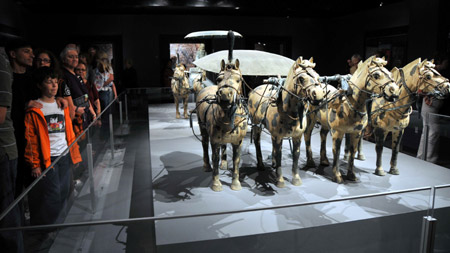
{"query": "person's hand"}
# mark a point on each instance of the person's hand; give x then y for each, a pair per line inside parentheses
(34, 104)
(428, 101)
(62, 103)
(36, 172)
(80, 110)
(98, 123)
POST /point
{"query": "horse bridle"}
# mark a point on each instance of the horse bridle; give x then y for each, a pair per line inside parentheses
(423, 79)
(311, 74)
(226, 85)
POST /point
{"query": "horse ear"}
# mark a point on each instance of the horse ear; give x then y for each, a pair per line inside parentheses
(432, 61)
(395, 71)
(360, 63)
(222, 65)
(383, 58)
(311, 60)
(299, 60)
(237, 64)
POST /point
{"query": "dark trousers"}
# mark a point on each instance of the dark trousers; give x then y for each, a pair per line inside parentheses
(9, 241)
(48, 198)
(105, 98)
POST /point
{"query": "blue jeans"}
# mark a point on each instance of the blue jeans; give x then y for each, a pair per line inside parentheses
(11, 241)
(48, 198)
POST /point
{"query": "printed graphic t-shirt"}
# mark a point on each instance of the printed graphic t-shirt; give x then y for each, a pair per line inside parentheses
(56, 127)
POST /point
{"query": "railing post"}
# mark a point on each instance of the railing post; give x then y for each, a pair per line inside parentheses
(91, 177)
(425, 144)
(428, 234)
(111, 134)
(126, 107)
(120, 112)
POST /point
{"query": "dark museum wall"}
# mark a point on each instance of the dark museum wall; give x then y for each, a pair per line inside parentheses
(143, 37)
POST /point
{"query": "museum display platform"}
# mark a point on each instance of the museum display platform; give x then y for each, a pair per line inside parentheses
(390, 223)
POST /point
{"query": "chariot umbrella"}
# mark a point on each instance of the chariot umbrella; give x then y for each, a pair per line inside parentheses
(210, 35)
(252, 62)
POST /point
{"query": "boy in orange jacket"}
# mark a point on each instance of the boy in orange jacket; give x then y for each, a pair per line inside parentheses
(48, 134)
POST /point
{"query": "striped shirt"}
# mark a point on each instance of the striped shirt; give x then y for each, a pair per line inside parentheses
(7, 139)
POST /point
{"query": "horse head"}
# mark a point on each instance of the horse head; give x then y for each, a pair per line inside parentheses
(430, 81)
(198, 82)
(303, 81)
(180, 76)
(229, 83)
(378, 80)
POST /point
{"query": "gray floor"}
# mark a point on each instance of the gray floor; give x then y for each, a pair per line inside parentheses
(181, 187)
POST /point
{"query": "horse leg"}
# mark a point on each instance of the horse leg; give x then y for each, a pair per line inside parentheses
(323, 147)
(176, 106)
(309, 158)
(296, 142)
(223, 157)
(185, 105)
(257, 139)
(277, 144)
(205, 145)
(347, 147)
(235, 184)
(396, 140)
(353, 141)
(380, 135)
(361, 155)
(216, 185)
(337, 140)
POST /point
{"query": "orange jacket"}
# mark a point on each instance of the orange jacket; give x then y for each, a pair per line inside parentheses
(37, 149)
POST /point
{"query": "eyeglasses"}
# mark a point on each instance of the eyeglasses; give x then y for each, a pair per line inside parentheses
(84, 70)
(44, 60)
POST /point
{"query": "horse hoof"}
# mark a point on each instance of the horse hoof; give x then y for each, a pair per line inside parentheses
(338, 179)
(236, 185)
(281, 184)
(394, 171)
(186, 116)
(207, 168)
(380, 172)
(296, 181)
(178, 116)
(310, 164)
(217, 187)
(346, 157)
(351, 176)
(361, 157)
(224, 165)
(325, 162)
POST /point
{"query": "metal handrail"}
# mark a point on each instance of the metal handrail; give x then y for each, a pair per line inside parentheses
(25, 192)
(134, 220)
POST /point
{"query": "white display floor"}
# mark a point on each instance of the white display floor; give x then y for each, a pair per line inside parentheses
(181, 187)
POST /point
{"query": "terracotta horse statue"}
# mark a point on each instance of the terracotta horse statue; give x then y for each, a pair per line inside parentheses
(198, 83)
(222, 119)
(314, 117)
(180, 89)
(346, 111)
(416, 78)
(282, 110)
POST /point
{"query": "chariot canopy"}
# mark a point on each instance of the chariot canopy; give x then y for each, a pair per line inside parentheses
(210, 34)
(252, 62)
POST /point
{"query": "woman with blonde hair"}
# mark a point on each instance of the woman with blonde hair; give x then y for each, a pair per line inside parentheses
(103, 80)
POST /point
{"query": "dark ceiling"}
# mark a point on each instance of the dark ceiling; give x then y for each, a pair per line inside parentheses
(293, 8)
